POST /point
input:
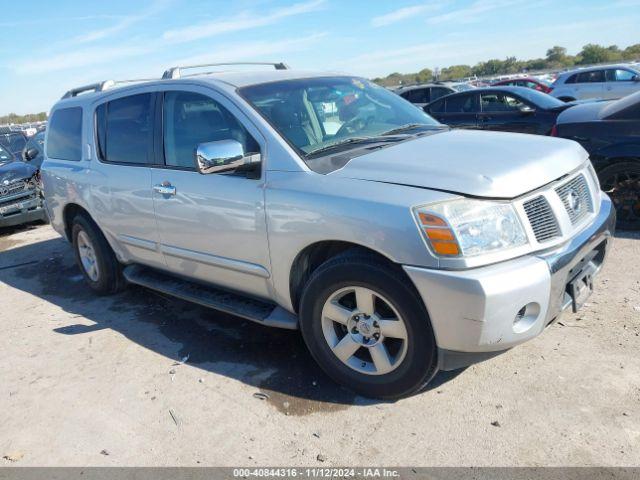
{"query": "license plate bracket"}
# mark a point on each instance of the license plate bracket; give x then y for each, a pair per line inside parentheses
(581, 287)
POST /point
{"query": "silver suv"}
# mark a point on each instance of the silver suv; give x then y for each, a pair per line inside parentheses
(323, 202)
(608, 82)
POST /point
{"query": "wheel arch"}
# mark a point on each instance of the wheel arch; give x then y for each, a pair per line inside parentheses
(71, 210)
(315, 254)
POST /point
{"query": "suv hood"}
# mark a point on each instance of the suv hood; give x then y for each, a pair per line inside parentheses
(479, 164)
(12, 171)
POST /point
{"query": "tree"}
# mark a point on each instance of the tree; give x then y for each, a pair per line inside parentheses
(555, 58)
(15, 118)
(592, 53)
(632, 52)
(557, 54)
(423, 76)
(455, 72)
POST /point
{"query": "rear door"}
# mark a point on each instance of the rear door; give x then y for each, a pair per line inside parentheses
(504, 112)
(212, 227)
(122, 198)
(620, 83)
(458, 111)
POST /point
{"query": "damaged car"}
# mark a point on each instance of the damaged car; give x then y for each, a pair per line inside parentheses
(20, 195)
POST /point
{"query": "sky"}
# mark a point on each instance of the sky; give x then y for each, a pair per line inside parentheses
(51, 46)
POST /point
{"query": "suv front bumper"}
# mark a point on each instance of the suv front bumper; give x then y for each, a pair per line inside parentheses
(475, 313)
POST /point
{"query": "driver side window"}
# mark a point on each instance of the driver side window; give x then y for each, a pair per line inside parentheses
(190, 119)
(499, 102)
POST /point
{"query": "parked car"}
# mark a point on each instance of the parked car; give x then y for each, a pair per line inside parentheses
(610, 132)
(398, 246)
(33, 151)
(20, 196)
(509, 109)
(14, 141)
(610, 82)
(528, 82)
(420, 95)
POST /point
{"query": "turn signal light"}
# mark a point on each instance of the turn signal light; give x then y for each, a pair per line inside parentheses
(440, 236)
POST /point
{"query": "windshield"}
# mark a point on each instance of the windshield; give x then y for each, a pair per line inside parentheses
(5, 156)
(13, 141)
(540, 99)
(313, 114)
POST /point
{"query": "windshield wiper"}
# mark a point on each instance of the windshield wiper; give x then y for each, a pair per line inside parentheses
(348, 141)
(408, 127)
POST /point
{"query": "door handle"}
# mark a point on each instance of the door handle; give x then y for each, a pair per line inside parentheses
(165, 188)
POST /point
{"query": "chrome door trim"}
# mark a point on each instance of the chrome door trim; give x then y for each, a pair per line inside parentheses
(138, 242)
(216, 261)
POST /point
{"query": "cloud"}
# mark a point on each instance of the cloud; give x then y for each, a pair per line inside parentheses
(404, 13)
(473, 12)
(243, 21)
(125, 22)
(253, 51)
(49, 20)
(92, 56)
(79, 58)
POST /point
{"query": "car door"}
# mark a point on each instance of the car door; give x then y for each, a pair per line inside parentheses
(458, 110)
(122, 199)
(590, 84)
(212, 227)
(620, 83)
(506, 112)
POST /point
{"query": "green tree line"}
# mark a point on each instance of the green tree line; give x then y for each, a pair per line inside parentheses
(556, 58)
(28, 118)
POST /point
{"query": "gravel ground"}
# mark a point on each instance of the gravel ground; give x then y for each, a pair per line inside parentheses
(140, 379)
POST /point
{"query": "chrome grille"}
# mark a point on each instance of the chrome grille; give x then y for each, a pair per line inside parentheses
(12, 188)
(576, 198)
(542, 220)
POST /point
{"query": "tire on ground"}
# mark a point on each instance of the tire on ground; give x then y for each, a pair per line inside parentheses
(355, 268)
(628, 215)
(110, 278)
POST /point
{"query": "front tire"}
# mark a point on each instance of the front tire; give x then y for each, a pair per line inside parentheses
(98, 264)
(621, 181)
(367, 328)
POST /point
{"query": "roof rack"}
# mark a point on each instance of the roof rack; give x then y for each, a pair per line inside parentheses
(102, 86)
(175, 72)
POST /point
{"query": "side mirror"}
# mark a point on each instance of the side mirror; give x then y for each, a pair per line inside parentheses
(526, 110)
(222, 156)
(30, 154)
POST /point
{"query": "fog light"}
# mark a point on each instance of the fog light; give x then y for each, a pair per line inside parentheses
(526, 317)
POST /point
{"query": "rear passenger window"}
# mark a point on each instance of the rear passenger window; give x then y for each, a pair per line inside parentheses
(417, 95)
(64, 140)
(190, 119)
(438, 92)
(437, 107)
(460, 104)
(595, 76)
(125, 129)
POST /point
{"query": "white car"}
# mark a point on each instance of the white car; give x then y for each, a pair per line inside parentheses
(608, 82)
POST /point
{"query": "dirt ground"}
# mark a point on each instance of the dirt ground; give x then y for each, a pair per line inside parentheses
(139, 379)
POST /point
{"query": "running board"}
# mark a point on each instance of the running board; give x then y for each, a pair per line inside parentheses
(252, 309)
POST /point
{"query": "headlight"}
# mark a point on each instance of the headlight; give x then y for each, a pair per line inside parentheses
(466, 228)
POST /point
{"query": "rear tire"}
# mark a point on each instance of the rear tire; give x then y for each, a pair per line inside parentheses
(367, 328)
(621, 181)
(95, 258)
